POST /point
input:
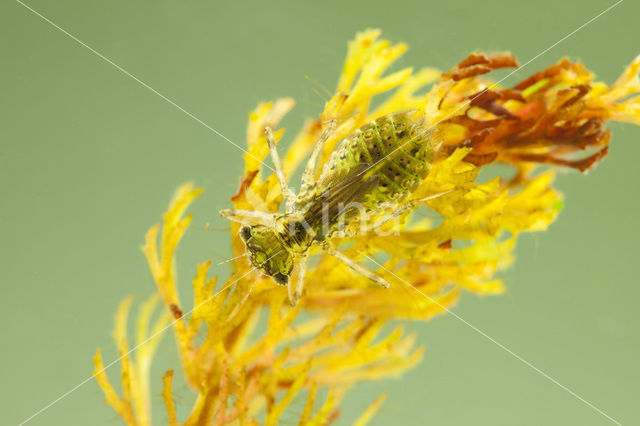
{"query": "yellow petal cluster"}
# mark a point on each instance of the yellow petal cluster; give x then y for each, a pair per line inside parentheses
(246, 354)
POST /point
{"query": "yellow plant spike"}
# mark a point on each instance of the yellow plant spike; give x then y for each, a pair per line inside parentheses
(167, 396)
(368, 414)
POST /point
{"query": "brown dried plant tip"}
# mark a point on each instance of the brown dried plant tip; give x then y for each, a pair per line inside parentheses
(246, 354)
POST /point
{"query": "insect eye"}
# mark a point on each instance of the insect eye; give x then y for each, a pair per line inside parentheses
(245, 233)
(281, 278)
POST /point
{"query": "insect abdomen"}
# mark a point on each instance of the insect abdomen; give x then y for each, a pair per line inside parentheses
(397, 150)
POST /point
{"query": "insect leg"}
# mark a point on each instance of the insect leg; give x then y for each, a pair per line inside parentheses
(296, 284)
(358, 267)
(405, 207)
(287, 194)
(308, 175)
(248, 217)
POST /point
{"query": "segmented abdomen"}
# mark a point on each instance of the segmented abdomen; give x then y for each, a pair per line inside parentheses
(395, 149)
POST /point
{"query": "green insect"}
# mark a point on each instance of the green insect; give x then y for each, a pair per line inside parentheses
(371, 173)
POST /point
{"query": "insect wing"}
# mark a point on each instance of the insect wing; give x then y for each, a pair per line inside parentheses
(340, 192)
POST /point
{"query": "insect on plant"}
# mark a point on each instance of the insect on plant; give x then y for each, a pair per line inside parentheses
(366, 183)
(369, 163)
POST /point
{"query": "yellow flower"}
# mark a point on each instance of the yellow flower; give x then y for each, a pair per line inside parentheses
(242, 371)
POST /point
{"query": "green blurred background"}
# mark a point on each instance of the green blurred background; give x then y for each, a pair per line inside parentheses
(89, 159)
